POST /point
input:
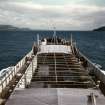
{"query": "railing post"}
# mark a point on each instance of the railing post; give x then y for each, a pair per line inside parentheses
(25, 81)
(6, 77)
(1, 86)
(32, 67)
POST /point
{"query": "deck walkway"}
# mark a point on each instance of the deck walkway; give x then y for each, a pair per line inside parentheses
(54, 96)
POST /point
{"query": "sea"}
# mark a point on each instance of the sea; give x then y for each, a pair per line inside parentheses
(14, 45)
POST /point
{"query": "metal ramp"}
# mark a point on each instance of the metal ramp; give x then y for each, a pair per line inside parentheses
(59, 70)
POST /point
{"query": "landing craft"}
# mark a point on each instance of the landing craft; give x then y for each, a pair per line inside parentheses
(54, 72)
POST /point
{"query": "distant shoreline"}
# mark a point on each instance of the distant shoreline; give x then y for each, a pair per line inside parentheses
(100, 29)
(13, 28)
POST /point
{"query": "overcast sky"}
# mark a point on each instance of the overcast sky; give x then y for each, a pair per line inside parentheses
(45, 14)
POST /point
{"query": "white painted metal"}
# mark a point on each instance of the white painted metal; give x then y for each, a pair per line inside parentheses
(38, 39)
(93, 68)
(9, 76)
(26, 78)
(44, 42)
(55, 48)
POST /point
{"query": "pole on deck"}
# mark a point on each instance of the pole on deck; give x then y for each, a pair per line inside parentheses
(38, 39)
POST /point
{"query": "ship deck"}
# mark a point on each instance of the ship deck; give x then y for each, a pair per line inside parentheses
(59, 70)
(58, 79)
(55, 96)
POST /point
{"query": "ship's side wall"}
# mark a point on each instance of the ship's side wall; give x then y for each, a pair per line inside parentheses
(26, 78)
(91, 67)
(10, 75)
(96, 71)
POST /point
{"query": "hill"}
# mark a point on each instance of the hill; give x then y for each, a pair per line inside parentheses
(100, 29)
(12, 28)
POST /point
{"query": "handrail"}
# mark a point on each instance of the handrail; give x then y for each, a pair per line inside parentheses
(26, 78)
(9, 76)
(94, 69)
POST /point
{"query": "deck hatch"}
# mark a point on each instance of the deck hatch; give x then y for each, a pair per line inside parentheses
(59, 71)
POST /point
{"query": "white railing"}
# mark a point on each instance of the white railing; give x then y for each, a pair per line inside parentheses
(22, 62)
(26, 78)
(9, 76)
(94, 69)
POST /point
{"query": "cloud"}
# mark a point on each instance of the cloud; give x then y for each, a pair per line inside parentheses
(39, 16)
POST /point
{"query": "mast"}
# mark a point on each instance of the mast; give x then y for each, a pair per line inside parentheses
(55, 36)
(71, 40)
(54, 32)
(38, 39)
(72, 47)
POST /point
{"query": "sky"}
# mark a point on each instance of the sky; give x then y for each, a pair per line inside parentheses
(46, 14)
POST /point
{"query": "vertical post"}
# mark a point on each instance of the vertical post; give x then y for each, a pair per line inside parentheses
(14, 71)
(54, 31)
(2, 85)
(38, 39)
(32, 67)
(6, 77)
(33, 49)
(54, 35)
(71, 40)
(25, 81)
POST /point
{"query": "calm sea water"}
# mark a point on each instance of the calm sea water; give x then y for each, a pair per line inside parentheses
(14, 45)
